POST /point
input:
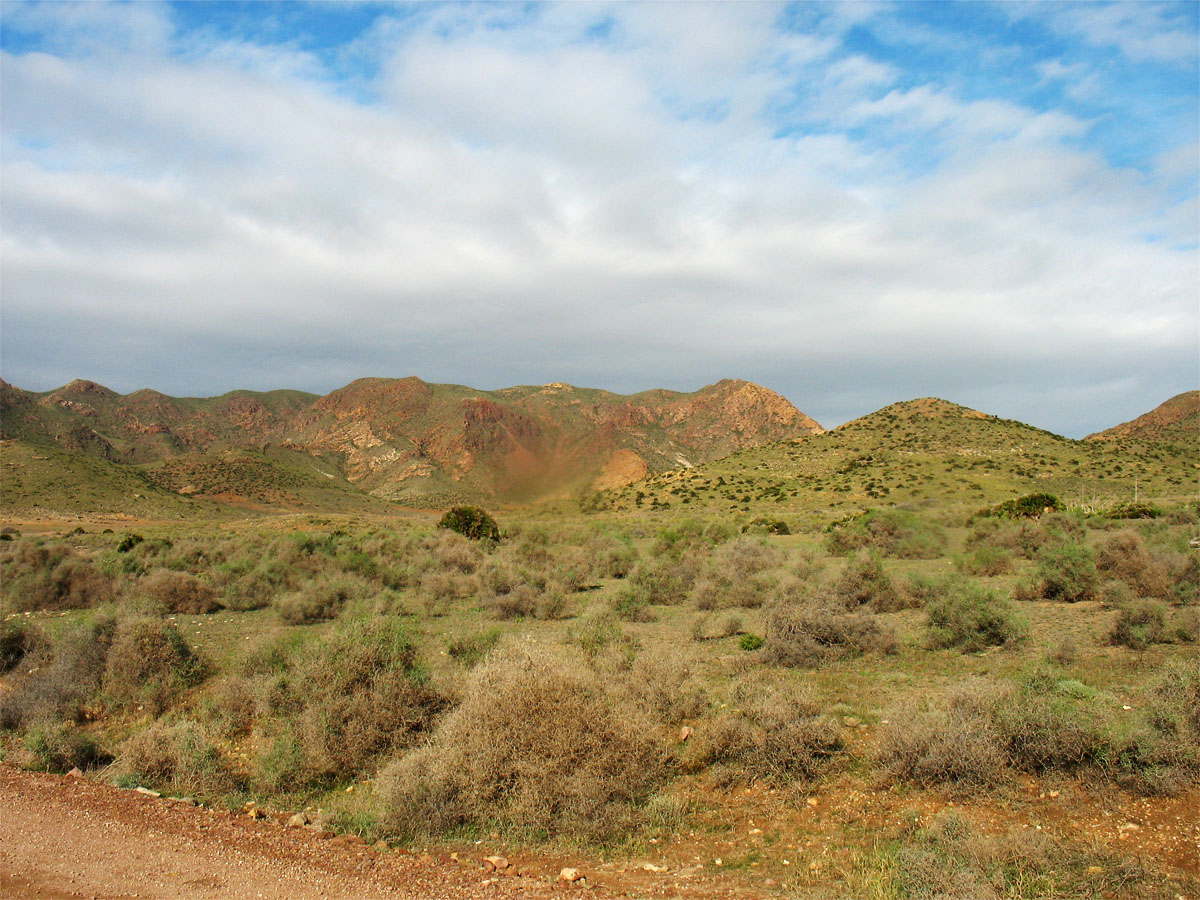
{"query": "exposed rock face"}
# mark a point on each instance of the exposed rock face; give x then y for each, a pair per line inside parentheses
(426, 444)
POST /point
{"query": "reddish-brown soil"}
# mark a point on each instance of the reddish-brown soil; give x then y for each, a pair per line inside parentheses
(64, 838)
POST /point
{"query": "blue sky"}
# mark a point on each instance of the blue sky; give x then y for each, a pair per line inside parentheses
(851, 203)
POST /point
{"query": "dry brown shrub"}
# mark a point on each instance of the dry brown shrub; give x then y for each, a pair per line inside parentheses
(149, 664)
(775, 734)
(1125, 556)
(178, 592)
(497, 577)
(34, 576)
(438, 589)
(328, 710)
(739, 573)
(448, 550)
(1141, 623)
(322, 598)
(864, 581)
(535, 746)
(610, 556)
(180, 756)
(663, 688)
(951, 741)
(363, 698)
(745, 557)
(572, 570)
(62, 677)
(812, 633)
(517, 603)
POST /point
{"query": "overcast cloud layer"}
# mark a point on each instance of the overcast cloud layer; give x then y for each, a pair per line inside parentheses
(850, 203)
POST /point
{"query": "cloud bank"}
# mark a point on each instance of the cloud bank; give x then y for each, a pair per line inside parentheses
(850, 203)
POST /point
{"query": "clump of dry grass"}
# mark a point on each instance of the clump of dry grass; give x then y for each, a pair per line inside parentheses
(535, 746)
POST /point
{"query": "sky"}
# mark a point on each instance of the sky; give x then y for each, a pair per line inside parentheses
(850, 203)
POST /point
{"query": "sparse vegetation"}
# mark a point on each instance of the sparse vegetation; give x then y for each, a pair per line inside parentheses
(635, 679)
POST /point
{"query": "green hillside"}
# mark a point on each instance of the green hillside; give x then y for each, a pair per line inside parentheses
(919, 452)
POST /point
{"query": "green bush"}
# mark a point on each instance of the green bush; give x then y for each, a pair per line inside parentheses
(128, 542)
(1031, 506)
(985, 561)
(750, 642)
(16, 641)
(1066, 571)
(473, 648)
(1133, 511)
(471, 522)
(970, 617)
(764, 525)
(58, 747)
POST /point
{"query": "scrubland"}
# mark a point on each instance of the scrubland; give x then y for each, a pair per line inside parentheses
(908, 703)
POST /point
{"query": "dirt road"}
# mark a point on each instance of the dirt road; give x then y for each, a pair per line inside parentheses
(65, 838)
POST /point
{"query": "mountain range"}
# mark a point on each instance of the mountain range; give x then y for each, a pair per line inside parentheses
(399, 440)
(377, 443)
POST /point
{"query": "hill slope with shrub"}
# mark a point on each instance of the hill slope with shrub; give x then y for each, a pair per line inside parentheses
(918, 452)
(1177, 421)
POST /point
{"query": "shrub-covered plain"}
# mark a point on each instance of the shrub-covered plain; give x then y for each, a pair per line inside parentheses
(606, 682)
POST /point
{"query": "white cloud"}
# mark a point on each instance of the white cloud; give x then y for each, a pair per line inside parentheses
(1140, 30)
(522, 204)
